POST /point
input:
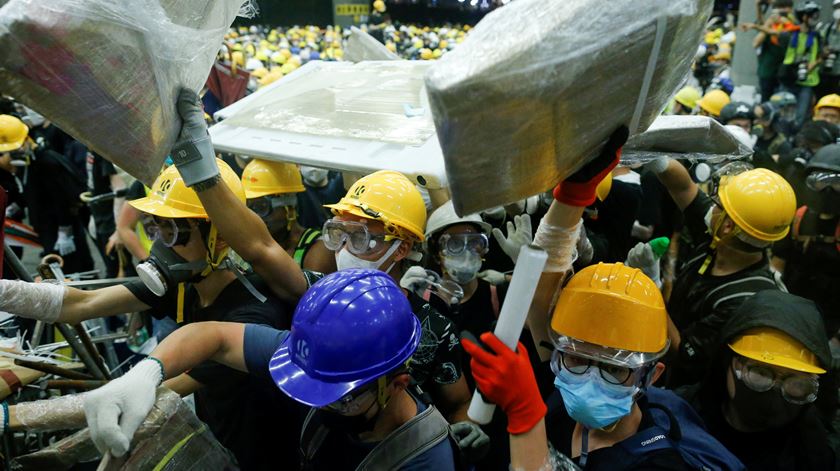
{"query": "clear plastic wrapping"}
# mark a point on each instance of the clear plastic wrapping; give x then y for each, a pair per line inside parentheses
(61, 413)
(539, 85)
(363, 47)
(39, 301)
(684, 137)
(108, 71)
(560, 243)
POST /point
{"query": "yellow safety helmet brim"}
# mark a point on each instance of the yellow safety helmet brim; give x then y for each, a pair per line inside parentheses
(159, 208)
(603, 188)
(760, 202)
(13, 133)
(774, 347)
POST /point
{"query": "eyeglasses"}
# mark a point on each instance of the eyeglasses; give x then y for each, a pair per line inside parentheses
(356, 235)
(796, 388)
(456, 244)
(819, 181)
(265, 205)
(354, 402)
(574, 364)
(169, 232)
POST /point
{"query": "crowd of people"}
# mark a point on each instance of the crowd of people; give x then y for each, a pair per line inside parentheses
(330, 322)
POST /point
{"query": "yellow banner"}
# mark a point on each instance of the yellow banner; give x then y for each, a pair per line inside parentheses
(352, 9)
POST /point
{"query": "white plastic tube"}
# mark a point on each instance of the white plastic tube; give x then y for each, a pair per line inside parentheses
(523, 285)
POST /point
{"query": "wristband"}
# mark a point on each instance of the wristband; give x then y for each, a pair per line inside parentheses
(162, 370)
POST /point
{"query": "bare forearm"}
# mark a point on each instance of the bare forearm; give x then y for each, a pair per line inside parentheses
(132, 243)
(454, 400)
(563, 215)
(529, 450)
(81, 305)
(194, 344)
(678, 182)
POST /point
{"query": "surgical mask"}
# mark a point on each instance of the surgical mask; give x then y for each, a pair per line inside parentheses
(593, 402)
(165, 269)
(344, 259)
(462, 268)
(314, 176)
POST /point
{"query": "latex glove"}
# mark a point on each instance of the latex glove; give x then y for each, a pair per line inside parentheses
(519, 233)
(506, 379)
(579, 188)
(642, 257)
(193, 154)
(416, 280)
(65, 244)
(472, 441)
(115, 411)
(493, 277)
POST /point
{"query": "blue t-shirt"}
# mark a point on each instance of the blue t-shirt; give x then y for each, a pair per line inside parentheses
(261, 342)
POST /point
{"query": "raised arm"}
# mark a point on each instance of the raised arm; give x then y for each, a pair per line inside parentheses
(115, 411)
(243, 230)
(126, 223)
(676, 180)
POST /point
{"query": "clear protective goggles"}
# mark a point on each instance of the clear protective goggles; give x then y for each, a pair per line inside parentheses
(449, 291)
(722, 174)
(819, 181)
(578, 365)
(356, 235)
(456, 244)
(169, 231)
(796, 388)
(608, 355)
(355, 402)
(266, 205)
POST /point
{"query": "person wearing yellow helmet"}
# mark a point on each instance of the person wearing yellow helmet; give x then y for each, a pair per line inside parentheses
(272, 190)
(731, 232)
(188, 277)
(609, 336)
(375, 226)
(766, 380)
(685, 101)
(828, 109)
(712, 103)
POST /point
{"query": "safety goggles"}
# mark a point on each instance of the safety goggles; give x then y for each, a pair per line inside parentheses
(170, 232)
(355, 402)
(355, 235)
(613, 374)
(722, 174)
(819, 181)
(266, 205)
(796, 388)
(456, 244)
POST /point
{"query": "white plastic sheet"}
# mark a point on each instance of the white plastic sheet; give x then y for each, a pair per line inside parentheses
(538, 86)
(108, 71)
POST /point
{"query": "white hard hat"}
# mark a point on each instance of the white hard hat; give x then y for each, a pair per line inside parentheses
(445, 216)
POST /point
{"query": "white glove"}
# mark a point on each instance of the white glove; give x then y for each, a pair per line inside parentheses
(641, 256)
(518, 234)
(12, 209)
(493, 277)
(658, 165)
(416, 280)
(115, 411)
(65, 245)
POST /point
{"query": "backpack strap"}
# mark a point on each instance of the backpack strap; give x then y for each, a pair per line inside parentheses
(307, 240)
(312, 436)
(494, 300)
(413, 438)
(797, 221)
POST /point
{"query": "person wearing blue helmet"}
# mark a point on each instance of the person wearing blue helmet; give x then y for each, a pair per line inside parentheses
(345, 358)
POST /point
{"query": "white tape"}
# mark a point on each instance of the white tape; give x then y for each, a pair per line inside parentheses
(661, 25)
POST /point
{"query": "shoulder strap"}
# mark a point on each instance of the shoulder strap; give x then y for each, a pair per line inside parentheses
(312, 436)
(307, 239)
(494, 300)
(410, 440)
(797, 220)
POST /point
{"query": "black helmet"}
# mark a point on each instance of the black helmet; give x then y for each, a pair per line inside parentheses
(736, 110)
(827, 158)
(769, 112)
(808, 8)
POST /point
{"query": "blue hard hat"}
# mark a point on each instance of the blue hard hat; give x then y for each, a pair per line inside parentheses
(349, 329)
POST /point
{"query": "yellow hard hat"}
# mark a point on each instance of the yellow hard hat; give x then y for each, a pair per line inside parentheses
(425, 53)
(714, 101)
(236, 47)
(265, 177)
(391, 46)
(279, 59)
(13, 133)
(271, 77)
(238, 58)
(379, 6)
(259, 73)
(775, 347)
(760, 202)
(724, 55)
(171, 198)
(443, 44)
(688, 96)
(437, 53)
(603, 188)
(612, 306)
(390, 198)
(338, 53)
(828, 101)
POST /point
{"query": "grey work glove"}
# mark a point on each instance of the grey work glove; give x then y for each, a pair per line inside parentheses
(473, 442)
(493, 277)
(642, 257)
(65, 244)
(193, 154)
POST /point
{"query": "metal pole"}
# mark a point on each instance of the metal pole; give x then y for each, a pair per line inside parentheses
(78, 347)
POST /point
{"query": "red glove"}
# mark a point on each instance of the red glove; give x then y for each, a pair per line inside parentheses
(506, 379)
(579, 188)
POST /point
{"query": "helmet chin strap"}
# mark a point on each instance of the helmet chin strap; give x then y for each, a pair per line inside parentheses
(717, 241)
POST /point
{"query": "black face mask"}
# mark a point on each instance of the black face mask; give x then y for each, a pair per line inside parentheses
(826, 201)
(763, 410)
(353, 425)
(165, 269)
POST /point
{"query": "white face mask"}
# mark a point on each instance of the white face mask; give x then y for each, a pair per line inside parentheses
(314, 176)
(344, 259)
(463, 268)
(836, 14)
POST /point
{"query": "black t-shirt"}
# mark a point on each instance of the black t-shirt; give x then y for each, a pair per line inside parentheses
(52, 194)
(813, 266)
(252, 418)
(311, 211)
(560, 429)
(437, 360)
(701, 303)
(609, 225)
(657, 208)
